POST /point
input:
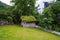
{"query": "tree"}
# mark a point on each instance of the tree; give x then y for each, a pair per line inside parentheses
(23, 7)
(58, 0)
(56, 10)
(51, 16)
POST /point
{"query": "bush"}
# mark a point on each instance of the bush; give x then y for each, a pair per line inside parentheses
(9, 18)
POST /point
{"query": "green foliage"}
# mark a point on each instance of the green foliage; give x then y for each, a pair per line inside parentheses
(49, 18)
(56, 7)
(45, 19)
(56, 11)
(9, 18)
(5, 12)
(58, 0)
(3, 6)
(57, 28)
(23, 7)
(28, 18)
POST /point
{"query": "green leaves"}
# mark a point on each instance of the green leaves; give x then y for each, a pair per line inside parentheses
(23, 8)
(26, 7)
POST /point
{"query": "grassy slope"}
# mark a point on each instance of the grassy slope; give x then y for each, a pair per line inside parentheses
(14, 32)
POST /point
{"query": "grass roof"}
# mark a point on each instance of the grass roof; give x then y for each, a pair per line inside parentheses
(28, 18)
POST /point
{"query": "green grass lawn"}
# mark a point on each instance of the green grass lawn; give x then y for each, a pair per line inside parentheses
(15, 32)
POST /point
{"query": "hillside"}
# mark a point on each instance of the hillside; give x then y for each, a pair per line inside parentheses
(3, 6)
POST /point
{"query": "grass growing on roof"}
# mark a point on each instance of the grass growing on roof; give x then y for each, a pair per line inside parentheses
(28, 18)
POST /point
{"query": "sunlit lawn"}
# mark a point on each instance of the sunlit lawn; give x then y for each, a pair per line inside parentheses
(14, 32)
